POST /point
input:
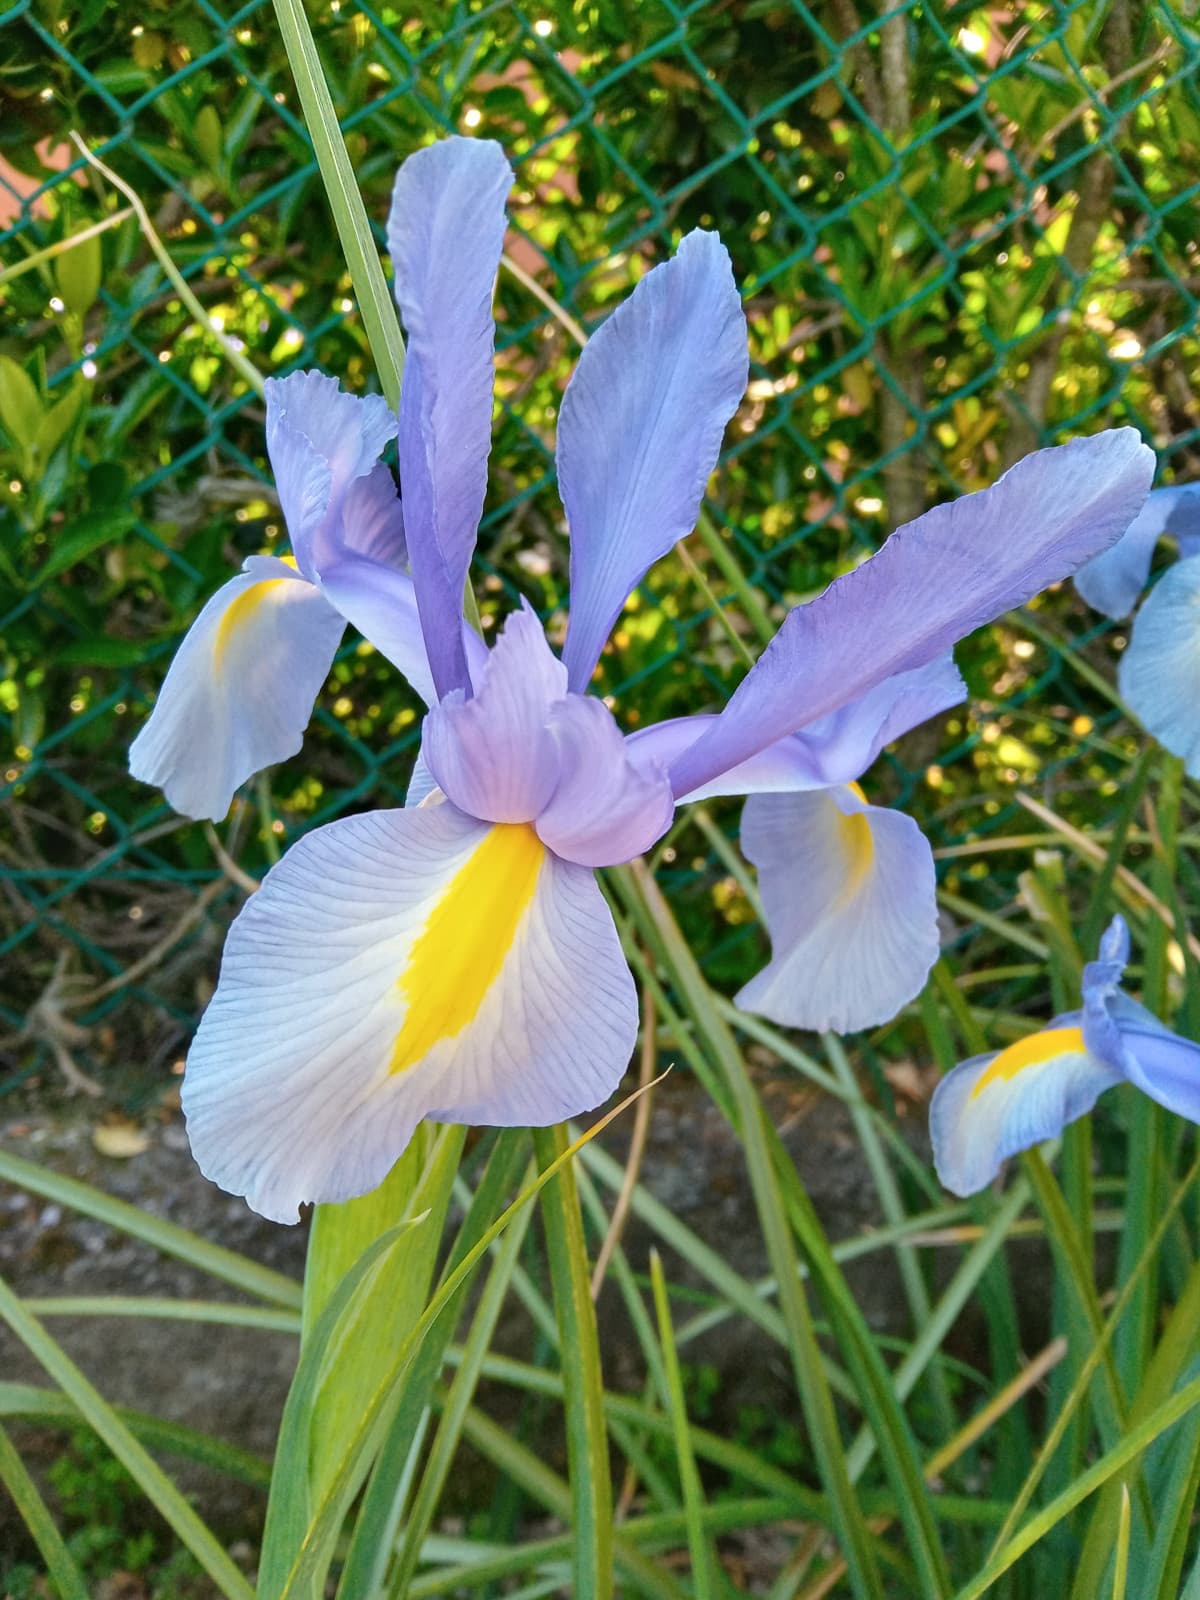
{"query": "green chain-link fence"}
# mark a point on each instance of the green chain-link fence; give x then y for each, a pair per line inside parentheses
(961, 231)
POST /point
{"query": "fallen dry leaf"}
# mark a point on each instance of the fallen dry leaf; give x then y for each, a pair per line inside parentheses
(120, 1140)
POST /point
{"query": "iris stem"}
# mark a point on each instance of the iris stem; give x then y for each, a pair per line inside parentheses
(727, 563)
(61, 246)
(345, 201)
(178, 282)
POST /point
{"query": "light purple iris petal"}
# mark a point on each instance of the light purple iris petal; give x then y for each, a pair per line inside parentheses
(421, 782)
(1101, 986)
(848, 741)
(935, 580)
(240, 690)
(365, 579)
(608, 806)
(1113, 582)
(494, 755)
(1159, 1062)
(445, 234)
(1159, 673)
(849, 893)
(1123, 1033)
(370, 520)
(836, 749)
(382, 604)
(783, 767)
(320, 440)
(976, 1125)
(292, 1092)
(640, 431)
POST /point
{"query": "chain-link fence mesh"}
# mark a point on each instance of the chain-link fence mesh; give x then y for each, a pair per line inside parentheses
(961, 231)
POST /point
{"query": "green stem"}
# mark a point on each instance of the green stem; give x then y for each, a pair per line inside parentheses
(61, 246)
(176, 279)
(345, 201)
(718, 549)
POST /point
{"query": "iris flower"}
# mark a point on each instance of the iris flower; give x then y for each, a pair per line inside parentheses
(241, 688)
(455, 959)
(994, 1105)
(1159, 673)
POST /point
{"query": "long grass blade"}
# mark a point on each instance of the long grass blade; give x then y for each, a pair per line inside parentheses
(703, 1558)
(1090, 1363)
(892, 1205)
(1132, 1445)
(312, 1553)
(1121, 1569)
(156, 1433)
(172, 1240)
(636, 1574)
(386, 1495)
(154, 1308)
(145, 1472)
(440, 1458)
(35, 1514)
(1173, 1356)
(290, 1511)
(579, 1341)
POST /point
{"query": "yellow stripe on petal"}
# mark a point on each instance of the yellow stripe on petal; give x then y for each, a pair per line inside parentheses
(1032, 1052)
(459, 953)
(243, 610)
(858, 844)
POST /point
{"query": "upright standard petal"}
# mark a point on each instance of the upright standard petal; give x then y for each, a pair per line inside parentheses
(1160, 671)
(992, 1106)
(445, 234)
(381, 602)
(1113, 582)
(936, 579)
(849, 894)
(363, 577)
(1122, 1032)
(240, 690)
(494, 755)
(640, 431)
(320, 441)
(396, 966)
(836, 749)
(1101, 990)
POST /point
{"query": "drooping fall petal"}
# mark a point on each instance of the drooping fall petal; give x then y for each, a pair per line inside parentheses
(395, 966)
(240, 691)
(849, 895)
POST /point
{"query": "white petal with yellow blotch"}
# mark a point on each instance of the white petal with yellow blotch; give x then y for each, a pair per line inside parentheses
(850, 899)
(994, 1105)
(395, 966)
(241, 688)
